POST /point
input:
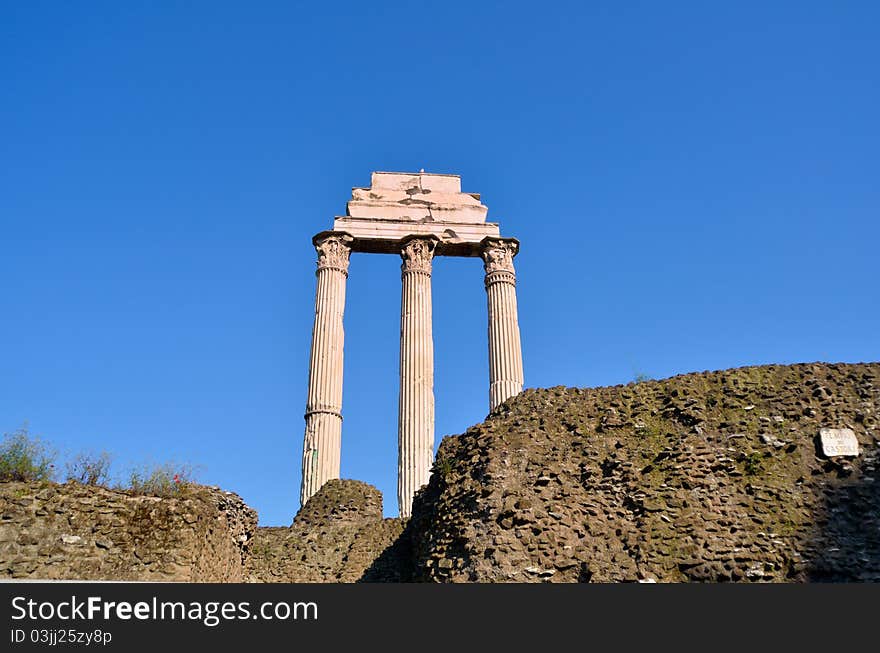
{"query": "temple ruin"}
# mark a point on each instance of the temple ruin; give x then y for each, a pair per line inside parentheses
(417, 216)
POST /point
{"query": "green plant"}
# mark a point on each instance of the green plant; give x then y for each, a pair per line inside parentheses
(443, 467)
(641, 377)
(90, 469)
(164, 480)
(753, 464)
(25, 458)
(651, 429)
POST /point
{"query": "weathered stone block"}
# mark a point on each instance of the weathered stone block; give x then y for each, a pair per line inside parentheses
(838, 442)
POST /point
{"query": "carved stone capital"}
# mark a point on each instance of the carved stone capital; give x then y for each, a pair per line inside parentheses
(498, 254)
(334, 250)
(417, 254)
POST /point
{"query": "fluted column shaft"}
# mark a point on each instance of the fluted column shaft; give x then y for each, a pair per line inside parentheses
(415, 431)
(322, 443)
(505, 349)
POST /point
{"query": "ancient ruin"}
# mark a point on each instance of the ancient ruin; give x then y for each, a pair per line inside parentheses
(757, 474)
(418, 216)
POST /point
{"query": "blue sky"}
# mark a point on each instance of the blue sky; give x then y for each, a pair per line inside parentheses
(695, 187)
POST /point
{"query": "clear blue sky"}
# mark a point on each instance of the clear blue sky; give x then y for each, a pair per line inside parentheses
(695, 186)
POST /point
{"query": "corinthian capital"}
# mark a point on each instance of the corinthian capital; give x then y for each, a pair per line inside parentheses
(417, 254)
(498, 254)
(334, 250)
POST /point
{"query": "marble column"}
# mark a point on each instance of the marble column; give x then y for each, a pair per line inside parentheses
(415, 426)
(322, 443)
(505, 350)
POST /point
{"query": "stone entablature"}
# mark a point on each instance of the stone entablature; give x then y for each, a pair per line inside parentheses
(416, 197)
(397, 205)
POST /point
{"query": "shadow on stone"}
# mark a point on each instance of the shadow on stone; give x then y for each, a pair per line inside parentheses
(846, 546)
(394, 564)
(334, 538)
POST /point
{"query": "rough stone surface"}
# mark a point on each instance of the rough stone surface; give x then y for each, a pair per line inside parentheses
(702, 477)
(336, 537)
(74, 531)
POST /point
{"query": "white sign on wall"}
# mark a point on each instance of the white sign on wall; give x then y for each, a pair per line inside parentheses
(839, 442)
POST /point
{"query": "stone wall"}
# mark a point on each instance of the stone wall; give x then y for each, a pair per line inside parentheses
(74, 531)
(337, 536)
(702, 477)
